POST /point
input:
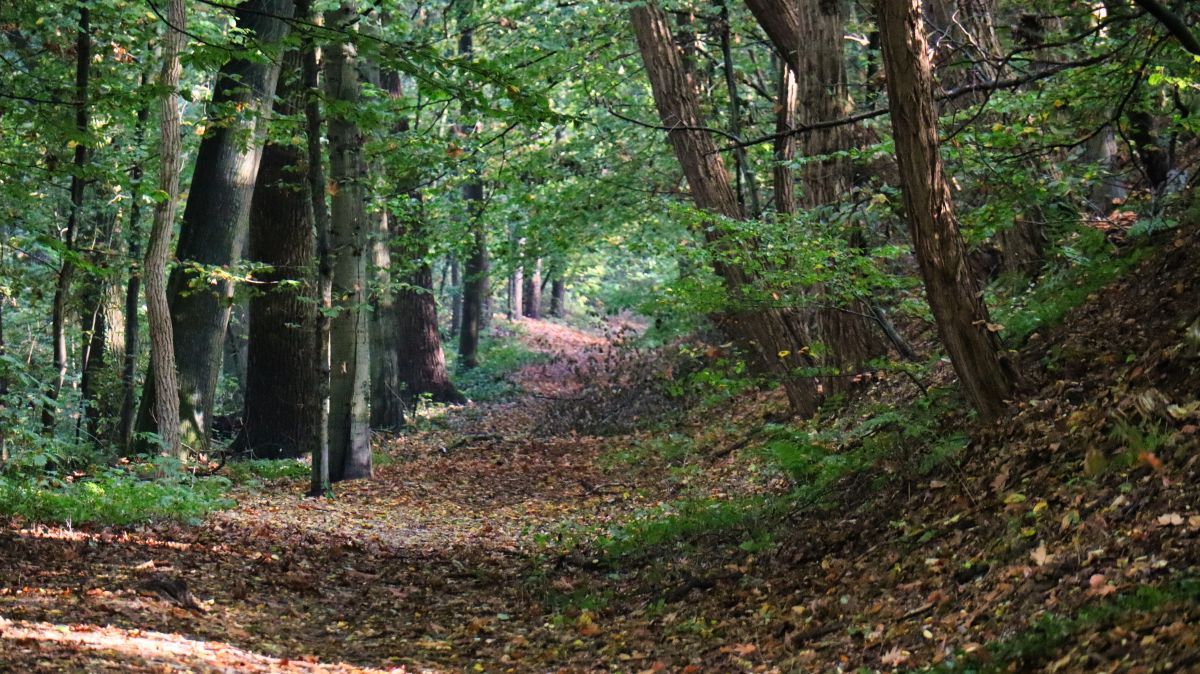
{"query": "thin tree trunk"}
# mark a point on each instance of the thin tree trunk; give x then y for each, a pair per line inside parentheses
(62, 286)
(158, 313)
(349, 422)
(747, 184)
(953, 295)
(774, 335)
(456, 293)
(475, 281)
(516, 280)
(132, 292)
(320, 484)
(785, 145)
(217, 214)
(280, 395)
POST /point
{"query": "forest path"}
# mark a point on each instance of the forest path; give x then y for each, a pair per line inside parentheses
(434, 565)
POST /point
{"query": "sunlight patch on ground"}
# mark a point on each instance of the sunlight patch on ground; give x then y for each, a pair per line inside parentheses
(96, 648)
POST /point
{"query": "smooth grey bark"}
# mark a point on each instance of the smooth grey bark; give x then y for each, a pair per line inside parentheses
(349, 346)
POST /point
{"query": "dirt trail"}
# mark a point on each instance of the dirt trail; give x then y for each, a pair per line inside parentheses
(427, 567)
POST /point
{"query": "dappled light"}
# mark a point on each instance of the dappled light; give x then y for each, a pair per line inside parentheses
(594, 337)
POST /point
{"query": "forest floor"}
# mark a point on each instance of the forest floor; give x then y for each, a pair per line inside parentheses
(494, 538)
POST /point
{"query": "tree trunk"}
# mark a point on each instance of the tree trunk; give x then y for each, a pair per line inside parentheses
(280, 394)
(785, 145)
(349, 421)
(158, 313)
(532, 301)
(456, 291)
(775, 335)
(422, 364)
(475, 281)
(387, 391)
(132, 291)
(558, 297)
(516, 283)
(953, 295)
(62, 286)
(319, 214)
(217, 214)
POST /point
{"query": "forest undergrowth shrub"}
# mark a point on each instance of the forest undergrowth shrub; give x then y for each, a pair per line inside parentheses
(498, 360)
(113, 495)
(1049, 632)
(1082, 264)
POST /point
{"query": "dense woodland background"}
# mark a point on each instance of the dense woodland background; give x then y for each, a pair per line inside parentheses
(842, 235)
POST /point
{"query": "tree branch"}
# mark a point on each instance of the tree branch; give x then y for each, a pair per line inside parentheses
(1173, 23)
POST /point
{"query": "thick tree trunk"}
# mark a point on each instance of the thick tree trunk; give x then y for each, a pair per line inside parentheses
(158, 313)
(953, 295)
(847, 331)
(558, 297)
(387, 391)
(965, 48)
(775, 335)
(349, 421)
(217, 213)
(422, 363)
(280, 395)
(785, 145)
(531, 302)
(62, 286)
(516, 285)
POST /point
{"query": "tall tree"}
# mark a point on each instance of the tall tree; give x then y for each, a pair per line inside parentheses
(810, 37)
(775, 335)
(953, 295)
(475, 272)
(66, 272)
(349, 384)
(280, 397)
(162, 345)
(217, 213)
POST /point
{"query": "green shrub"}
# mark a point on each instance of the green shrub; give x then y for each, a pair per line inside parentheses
(113, 496)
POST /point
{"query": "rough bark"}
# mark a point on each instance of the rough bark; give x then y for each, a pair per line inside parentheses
(280, 394)
(848, 333)
(775, 335)
(217, 213)
(158, 312)
(957, 304)
(349, 384)
(784, 184)
(387, 399)
(475, 281)
(421, 361)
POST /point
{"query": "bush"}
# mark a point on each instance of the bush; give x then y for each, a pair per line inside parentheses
(113, 496)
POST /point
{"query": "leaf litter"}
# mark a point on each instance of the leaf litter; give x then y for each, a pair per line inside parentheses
(1062, 540)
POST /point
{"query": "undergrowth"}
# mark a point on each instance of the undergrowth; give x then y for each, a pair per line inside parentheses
(1081, 267)
(1051, 631)
(116, 496)
(498, 358)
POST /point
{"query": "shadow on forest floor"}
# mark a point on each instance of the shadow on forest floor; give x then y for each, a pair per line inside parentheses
(1063, 540)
